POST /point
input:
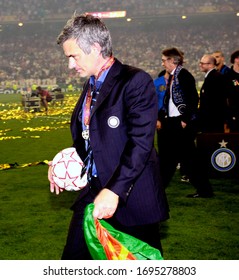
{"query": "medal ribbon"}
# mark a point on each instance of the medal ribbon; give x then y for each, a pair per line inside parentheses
(90, 91)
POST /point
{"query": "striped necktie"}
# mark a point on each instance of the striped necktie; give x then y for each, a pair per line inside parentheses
(95, 92)
(88, 162)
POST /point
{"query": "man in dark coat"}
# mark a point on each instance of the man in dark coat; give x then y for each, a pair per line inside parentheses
(178, 118)
(115, 139)
(232, 78)
(213, 104)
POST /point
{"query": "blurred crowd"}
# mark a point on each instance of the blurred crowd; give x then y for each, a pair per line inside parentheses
(34, 9)
(34, 57)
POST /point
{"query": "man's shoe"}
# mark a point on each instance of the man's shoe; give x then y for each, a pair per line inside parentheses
(193, 195)
(185, 179)
(197, 195)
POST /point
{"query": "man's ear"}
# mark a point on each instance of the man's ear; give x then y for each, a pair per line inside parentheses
(96, 48)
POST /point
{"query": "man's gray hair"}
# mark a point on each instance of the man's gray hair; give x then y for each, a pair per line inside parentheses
(87, 30)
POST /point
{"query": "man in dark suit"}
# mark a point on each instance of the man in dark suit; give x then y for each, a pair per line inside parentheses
(115, 139)
(232, 78)
(178, 118)
(213, 104)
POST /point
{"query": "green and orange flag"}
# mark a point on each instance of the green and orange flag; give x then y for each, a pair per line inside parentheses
(106, 243)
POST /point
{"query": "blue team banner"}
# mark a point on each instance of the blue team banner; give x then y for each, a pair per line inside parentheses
(221, 152)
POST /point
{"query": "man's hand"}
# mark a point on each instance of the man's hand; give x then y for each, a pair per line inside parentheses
(226, 128)
(106, 204)
(158, 125)
(53, 187)
(183, 124)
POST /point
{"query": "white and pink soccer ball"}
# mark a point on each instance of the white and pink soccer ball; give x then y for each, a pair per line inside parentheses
(66, 170)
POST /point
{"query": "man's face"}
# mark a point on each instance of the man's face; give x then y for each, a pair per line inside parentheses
(204, 64)
(168, 64)
(84, 64)
(236, 61)
(219, 58)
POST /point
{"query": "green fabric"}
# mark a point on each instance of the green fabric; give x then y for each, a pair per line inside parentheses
(140, 249)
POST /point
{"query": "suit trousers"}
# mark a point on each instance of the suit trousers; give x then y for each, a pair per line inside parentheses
(76, 248)
(178, 144)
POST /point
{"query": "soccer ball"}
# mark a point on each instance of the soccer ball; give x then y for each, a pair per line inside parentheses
(66, 170)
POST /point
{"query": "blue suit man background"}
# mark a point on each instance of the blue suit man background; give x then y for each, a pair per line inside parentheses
(160, 84)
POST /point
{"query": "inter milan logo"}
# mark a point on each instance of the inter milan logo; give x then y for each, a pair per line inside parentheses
(223, 159)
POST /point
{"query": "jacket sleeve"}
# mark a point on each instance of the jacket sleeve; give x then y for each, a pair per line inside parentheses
(188, 86)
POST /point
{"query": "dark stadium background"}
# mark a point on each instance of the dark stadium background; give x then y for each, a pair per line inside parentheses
(30, 51)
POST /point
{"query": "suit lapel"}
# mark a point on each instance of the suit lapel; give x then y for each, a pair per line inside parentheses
(106, 89)
(108, 84)
(79, 104)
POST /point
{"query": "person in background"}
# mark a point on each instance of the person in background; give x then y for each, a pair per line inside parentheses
(160, 84)
(233, 93)
(178, 122)
(115, 139)
(213, 98)
(45, 97)
(220, 62)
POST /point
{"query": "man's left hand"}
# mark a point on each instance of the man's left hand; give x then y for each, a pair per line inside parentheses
(183, 124)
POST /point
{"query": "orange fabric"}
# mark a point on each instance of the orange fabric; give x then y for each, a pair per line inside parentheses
(114, 250)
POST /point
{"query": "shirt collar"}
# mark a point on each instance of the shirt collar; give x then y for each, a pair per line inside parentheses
(208, 72)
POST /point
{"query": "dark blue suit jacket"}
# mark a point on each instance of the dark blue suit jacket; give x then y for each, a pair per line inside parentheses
(122, 128)
(213, 103)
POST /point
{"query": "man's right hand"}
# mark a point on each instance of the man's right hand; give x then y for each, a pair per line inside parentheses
(53, 187)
